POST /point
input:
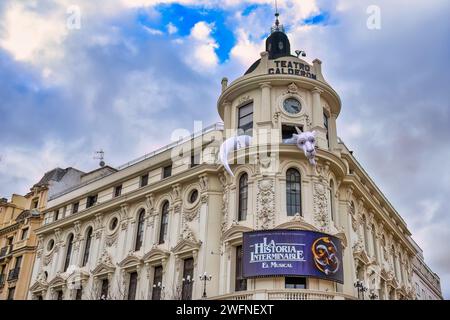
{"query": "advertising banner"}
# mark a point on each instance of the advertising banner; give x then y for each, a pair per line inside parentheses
(292, 253)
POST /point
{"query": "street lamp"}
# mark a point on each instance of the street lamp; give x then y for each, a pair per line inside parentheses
(205, 278)
(359, 285)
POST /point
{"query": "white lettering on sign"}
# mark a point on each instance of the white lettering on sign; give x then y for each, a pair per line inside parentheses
(276, 252)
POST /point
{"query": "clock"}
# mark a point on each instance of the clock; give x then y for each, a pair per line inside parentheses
(292, 106)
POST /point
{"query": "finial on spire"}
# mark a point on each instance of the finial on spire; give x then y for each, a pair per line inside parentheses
(278, 26)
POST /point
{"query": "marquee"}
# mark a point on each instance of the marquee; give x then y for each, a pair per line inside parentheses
(292, 253)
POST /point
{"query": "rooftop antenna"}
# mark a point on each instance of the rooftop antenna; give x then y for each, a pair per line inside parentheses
(100, 155)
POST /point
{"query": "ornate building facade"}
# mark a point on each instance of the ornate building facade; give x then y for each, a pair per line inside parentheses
(151, 228)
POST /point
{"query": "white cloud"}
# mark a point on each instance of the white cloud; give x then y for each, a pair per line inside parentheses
(171, 28)
(31, 37)
(153, 31)
(200, 47)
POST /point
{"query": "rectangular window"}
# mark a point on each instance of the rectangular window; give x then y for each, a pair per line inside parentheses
(188, 274)
(35, 203)
(104, 291)
(167, 171)
(157, 283)
(59, 295)
(91, 200)
(117, 191)
(24, 234)
(18, 263)
(325, 124)
(245, 119)
(11, 292)
(144, 180)
(132, 286)
(287, 131)
(57, 212)
(240, 281)
(195, 159)
(75, 207)
(295, 283)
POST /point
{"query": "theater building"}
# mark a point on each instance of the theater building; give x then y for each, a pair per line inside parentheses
(280, 228)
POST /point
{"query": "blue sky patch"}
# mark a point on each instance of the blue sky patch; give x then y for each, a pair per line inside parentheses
(184, 18)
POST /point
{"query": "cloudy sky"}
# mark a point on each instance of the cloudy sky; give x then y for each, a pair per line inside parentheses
(123, 74)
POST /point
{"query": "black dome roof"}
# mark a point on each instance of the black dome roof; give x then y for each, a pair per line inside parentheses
(278, 45)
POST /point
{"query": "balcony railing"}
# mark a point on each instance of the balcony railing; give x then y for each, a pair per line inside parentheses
(288, 294)
(13, 274)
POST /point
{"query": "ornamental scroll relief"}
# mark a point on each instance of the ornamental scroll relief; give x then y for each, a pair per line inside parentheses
(265, 204)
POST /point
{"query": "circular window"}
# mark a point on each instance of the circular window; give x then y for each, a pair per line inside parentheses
(50, 245)
(113, 224)
(193, 196)
(292, 106)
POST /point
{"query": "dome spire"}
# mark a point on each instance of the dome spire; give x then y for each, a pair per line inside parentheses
(277, 26)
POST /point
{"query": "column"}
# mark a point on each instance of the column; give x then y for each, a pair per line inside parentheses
(332, 131)
(317, 119)
(265, 113)
(227, 115)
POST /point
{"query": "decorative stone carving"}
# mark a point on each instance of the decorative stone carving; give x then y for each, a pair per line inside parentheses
(265, 204)
(276, 116)
(243, 99)
(187, 234)
(124, 216)
(292, 88)
(225, 197)
(320, 206)
(40, 245)
(190, 215)
(98, 225)
(176, 192)
(150, 202)
(203, 182)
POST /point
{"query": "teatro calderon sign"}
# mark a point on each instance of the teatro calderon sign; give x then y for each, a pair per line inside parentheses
(292, 253)
(292, 68)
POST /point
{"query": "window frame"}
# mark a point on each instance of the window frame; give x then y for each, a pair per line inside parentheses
(139, 239)
(292, 204)
(243, 197)
(164, 222)
(243, 129)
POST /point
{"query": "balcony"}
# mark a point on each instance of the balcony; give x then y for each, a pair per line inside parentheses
(13, 274)
(288, 294)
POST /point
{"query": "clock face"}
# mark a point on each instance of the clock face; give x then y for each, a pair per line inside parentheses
(292, 106)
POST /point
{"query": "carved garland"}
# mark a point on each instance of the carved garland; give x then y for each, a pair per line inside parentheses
(265, 206)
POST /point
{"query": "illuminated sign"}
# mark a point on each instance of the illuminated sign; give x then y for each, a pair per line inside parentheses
(292, 253)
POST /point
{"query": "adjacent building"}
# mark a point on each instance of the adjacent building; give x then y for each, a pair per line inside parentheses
(279, 228)
(19, 218)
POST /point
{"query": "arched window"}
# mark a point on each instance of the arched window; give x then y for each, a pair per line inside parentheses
(164, 222)
(293, 192)
(243, 197)
(87, 246)
(68, 252)
(332, 202)
(140, 230)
